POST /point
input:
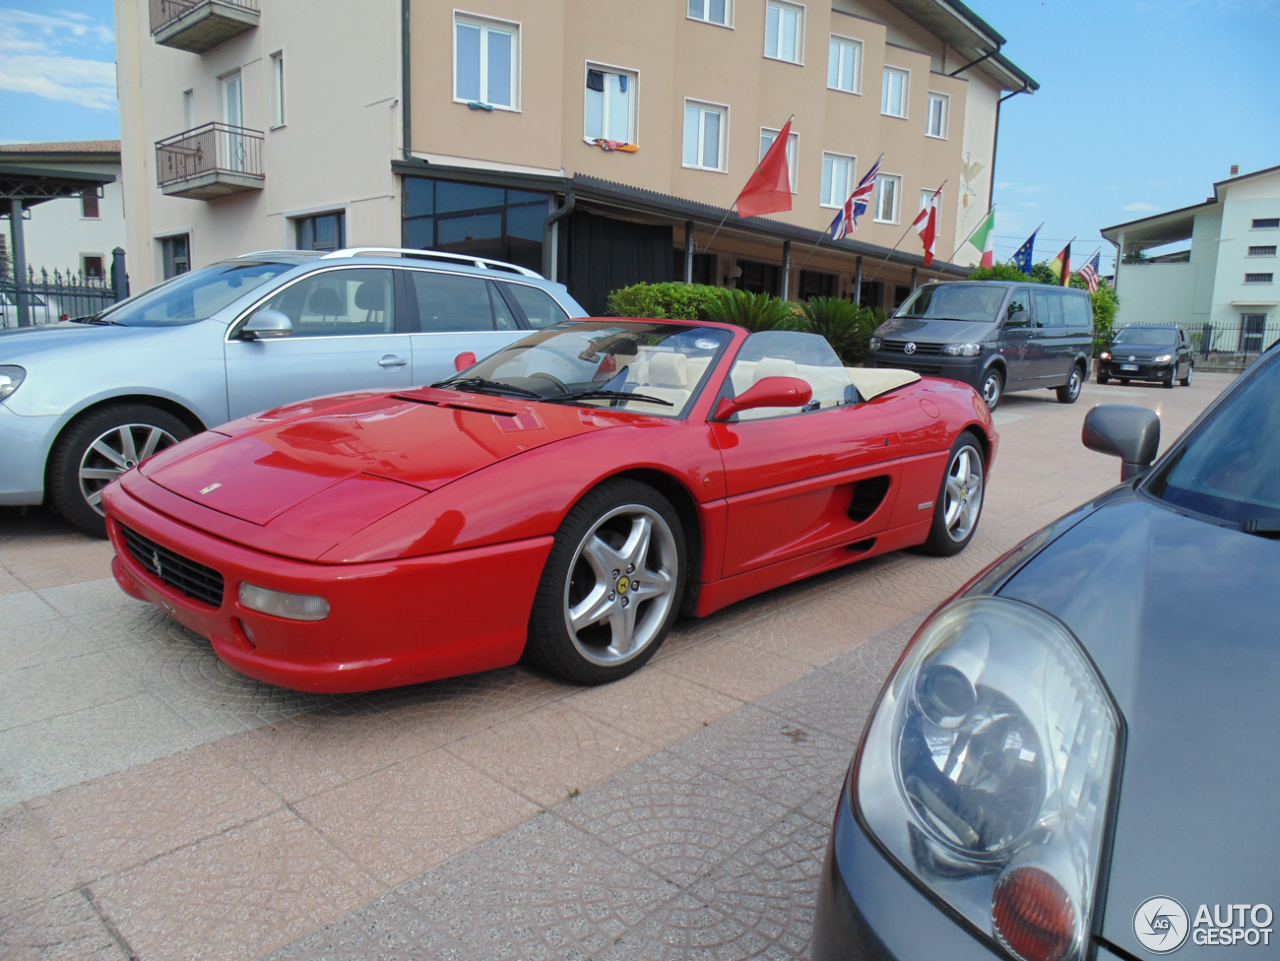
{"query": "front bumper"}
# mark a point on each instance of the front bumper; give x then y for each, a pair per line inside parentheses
(967, 370)
(390, 623)
(867, 910)
(24, 448)
(1145, 370)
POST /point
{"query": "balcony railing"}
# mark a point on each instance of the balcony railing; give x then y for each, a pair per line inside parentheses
(208, 162)
(200, 25)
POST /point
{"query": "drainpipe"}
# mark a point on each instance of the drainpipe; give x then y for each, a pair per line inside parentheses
(548, 234)
(995, 143)
(405, 113)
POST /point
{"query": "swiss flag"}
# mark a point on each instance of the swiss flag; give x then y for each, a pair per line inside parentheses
(926, 224)
(769, 189)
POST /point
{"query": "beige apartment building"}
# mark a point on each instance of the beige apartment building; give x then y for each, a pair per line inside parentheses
(601, 142)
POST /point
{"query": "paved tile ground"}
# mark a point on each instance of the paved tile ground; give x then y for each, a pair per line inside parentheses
(156, 805)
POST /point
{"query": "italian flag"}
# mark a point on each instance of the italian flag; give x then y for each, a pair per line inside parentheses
(984, 239)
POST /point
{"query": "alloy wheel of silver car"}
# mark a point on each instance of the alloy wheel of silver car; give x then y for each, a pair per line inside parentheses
(622, 585)
(116, 451)
(962, 493)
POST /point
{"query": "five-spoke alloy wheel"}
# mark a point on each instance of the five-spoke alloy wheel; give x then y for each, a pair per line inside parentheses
(959, 504)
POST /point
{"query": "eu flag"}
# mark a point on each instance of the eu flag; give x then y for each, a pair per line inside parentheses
(1022, 259)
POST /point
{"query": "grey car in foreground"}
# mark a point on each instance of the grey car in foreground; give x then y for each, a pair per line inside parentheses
(995, 336)
(81, 402)
(1076, 756)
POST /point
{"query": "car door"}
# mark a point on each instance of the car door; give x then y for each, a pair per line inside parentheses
(344, 337)
(1053, 354)
(1017, 341)
(450, 314)
(801, 480)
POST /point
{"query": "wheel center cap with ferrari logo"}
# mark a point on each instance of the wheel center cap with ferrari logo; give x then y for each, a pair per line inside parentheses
(624, 584)
(910, 348)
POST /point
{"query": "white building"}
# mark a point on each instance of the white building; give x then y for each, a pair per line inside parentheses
(73, 235)
(1222, 287)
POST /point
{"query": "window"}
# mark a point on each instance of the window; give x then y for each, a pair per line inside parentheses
(1263, 251)
(481, 220)
(449, 302)
(177, 255)
(89, 204)
(710, 11)
(704, 135)
(837, 179)
(767, 137)
(339, 302)
(538, 306)
(1266, 223)
(1258, 278)
(789, 353)
(277, 89)
(188, 109)
(321, 232)
(888, 186)
(784, 31)
(91, 266)
(486, 62)
(844, 68)
(610, 112)
(814, 283)
(939, 108)
(1047, 308)
(925, 196)
(893, 95)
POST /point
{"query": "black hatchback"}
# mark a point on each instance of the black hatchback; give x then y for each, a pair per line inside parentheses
(1157, 352)
(1076, 756)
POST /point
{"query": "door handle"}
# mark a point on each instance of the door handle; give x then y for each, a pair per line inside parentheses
(391, 360)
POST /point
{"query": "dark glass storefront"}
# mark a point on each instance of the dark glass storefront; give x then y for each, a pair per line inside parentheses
(476, 219)
(814, 283)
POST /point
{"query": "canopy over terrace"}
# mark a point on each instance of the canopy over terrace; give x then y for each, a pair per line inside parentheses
(23, 186)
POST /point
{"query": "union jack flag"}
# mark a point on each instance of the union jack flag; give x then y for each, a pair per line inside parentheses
(1089, 272)
(846, 221)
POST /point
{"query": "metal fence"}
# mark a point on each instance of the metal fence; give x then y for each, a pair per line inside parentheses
(51, 298)
(211, 148)
(164, 12)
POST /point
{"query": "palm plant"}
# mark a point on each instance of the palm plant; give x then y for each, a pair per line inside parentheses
(846, 326)
(756, 312)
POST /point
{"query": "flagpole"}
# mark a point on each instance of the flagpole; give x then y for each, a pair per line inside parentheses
(975, 229)
(910, 227)
(822, 236)
(735, 202)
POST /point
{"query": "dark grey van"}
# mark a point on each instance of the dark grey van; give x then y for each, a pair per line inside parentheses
(995, 336)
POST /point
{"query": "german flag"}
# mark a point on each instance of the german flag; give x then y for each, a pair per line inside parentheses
(1061, 265)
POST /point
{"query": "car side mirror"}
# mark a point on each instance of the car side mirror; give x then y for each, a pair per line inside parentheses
(767, 392)
(266, 324)
(464, 360)
(1130, 433)
(1019, 319)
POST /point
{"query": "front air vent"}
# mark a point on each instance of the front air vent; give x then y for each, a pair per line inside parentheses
(868, 495)
(196, 581)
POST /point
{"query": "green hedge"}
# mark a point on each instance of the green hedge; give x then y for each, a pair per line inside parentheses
(673, 301)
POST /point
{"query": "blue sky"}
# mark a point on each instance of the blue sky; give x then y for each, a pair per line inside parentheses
(1143, 103)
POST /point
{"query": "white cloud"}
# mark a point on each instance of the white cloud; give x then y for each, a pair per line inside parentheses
(39, 55)
(1141, 208)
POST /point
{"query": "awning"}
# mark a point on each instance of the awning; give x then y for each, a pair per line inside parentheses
(35, 185)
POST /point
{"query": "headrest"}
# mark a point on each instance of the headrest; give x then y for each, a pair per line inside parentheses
(371, 295)
(326, 303)
(669, 369)
(774, 367)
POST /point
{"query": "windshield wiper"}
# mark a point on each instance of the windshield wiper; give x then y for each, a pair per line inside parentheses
(480, 385)
(593, 393)
(96, 319)
(1262, 528)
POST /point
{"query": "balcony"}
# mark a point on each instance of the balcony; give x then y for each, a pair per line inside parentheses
(209, 162)
(200, 25)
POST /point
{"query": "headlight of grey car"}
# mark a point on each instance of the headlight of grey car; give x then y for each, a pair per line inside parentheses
(962, 350)
(11, 378)
(986, 771)
(875, 343)
(1163, 359)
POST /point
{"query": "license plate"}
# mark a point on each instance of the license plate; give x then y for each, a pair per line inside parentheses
(1128, 366)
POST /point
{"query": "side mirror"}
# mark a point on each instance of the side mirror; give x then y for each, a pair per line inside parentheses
(464, 360)
(265, 324)
(1019, 319)
(1130, 433)
(767, 392)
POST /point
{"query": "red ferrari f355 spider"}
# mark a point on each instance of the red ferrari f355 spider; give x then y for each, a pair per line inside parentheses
(565, 498)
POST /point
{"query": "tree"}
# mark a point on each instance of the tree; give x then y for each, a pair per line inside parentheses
(755, 312)
(1000, 272)
(846, 326)
(670, 301)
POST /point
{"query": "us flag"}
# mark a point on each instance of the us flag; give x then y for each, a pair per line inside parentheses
(1089, 272)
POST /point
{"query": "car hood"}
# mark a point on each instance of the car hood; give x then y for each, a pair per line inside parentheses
(1140, 351)
(17, 345)
(936, 331)
(1180, 616)
(340, 463)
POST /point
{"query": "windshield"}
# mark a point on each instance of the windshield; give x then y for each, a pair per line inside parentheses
(954, 302)
(1230, 467)
(1146, 337)
(193, 296)
(602, 364)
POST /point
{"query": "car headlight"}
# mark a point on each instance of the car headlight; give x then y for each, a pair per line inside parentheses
(11, 378)
(1105, 355)
(1163, 359)
(986, 772)
(962, 350)
(875, 343)
(296, 607)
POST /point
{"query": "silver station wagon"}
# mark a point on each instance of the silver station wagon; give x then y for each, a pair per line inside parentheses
(83, 401)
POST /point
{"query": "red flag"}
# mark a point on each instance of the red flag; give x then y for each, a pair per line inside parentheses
(926, 224)
(769, 189)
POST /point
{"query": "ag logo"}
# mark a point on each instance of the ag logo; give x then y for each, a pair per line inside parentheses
(910, 348)
(1161, 925)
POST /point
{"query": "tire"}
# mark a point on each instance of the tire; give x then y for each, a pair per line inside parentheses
(1173, 374)
(953, 529)
(1069, 392)
(1102, 378)
(617, 530)
(80, 466)
(1186, 381)
(1124, 381)
(992, 389)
